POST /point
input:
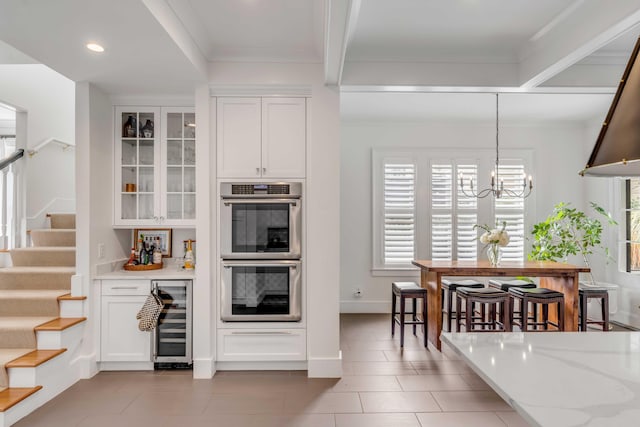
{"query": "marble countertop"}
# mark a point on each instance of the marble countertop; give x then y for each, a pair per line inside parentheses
(559, 378)
(170, 270)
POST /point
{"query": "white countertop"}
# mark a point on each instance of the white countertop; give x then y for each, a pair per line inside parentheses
(559, 378)
(114, 271)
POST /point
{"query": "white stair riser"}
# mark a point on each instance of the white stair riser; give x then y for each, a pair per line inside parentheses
(32, 377)
(54, 340)
(71, 308)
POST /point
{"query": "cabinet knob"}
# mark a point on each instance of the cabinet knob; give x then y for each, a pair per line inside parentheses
(162, 218)
(264, 170)
(257, 171)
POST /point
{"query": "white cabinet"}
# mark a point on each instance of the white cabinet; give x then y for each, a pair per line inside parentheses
(261, 137)
(154, 166)
(120, 338)
(242, 345)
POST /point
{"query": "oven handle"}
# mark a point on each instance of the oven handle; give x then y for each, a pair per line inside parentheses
(293, 264)
(260, 333)
(228, 202)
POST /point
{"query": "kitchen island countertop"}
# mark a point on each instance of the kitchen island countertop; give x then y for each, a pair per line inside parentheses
(560, 378)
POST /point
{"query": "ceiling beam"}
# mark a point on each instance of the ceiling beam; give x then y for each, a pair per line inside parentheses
(429, 73)
(341, 19)
(586, 28)
(355, 88)
(168, 19)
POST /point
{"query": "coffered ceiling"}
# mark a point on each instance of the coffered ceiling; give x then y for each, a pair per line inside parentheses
(366, 46)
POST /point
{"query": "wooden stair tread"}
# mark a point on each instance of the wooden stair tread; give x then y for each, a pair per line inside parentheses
(60, 323)
(68, 297)
(13, 396)
(35, 358)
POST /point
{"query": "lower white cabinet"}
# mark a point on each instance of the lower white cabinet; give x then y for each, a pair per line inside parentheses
(259, 345)
(120, 338)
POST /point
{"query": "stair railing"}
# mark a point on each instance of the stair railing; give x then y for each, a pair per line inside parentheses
(8, 202)
(65, 145)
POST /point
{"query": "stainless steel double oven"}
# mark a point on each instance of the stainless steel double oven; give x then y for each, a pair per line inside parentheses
(260, 247)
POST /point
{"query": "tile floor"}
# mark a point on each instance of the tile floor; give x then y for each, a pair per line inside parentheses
(382, 386)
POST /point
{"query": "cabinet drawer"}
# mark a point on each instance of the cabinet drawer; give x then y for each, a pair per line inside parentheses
(262, 345)
(126, 287)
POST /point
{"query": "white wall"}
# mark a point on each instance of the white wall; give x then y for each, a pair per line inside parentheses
(322, 200)
(48, 98)
(94, 137)
(558, 156)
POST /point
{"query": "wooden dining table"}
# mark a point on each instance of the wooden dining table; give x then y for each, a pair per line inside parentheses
(553, 275)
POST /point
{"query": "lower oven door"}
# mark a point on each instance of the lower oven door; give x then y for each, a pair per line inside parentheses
(260, 291)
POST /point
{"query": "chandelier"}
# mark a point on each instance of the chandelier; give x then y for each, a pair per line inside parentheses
(497, 188)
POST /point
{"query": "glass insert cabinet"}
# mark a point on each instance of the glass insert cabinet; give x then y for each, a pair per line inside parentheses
(155, 166)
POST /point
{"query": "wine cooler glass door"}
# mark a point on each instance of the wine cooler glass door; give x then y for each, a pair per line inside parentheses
(173, 333)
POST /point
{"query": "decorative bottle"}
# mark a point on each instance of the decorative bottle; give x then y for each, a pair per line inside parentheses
(147, 129)
(188, 257)
(140, 250)
(132, 258)
(157, 253)
(129, 127)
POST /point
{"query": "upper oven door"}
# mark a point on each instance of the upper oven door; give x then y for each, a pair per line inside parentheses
(260, 228)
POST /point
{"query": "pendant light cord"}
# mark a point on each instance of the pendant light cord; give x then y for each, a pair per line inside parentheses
(497, 133)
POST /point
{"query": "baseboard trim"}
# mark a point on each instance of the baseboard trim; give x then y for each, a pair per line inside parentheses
(125, 366)
(262, 366)
(204, 368)
(365, 306)
(87, 365)
(325, 367)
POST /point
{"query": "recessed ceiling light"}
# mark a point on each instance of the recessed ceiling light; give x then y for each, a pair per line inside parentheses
(94, 47)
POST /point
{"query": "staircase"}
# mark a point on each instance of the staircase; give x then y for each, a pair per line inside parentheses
(41, 323)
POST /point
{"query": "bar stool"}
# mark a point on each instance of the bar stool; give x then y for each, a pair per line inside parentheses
(585, 293)
(490, 297)
(536, 296)
(505, 285)
(450, 286)
(405, 290)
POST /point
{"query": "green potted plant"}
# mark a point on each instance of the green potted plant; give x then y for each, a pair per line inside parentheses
(569, 231)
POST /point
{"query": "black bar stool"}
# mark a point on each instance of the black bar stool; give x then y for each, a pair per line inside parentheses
(536, 296)
(405, 290)
(585, 293)
(449, 287)
(505, 285)
(486, 297)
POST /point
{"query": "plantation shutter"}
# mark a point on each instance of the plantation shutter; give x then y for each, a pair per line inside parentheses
(399, 212)
(453, 214)
(511, 210)
(466, 215)
(441, 211)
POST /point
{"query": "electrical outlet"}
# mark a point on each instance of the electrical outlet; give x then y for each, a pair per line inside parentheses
(101, 250)
(357, 293)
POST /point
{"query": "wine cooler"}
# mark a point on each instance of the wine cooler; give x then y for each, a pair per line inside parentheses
(172, 337)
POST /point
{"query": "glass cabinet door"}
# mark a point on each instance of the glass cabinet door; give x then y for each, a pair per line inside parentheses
(180, 177)
(138, 151)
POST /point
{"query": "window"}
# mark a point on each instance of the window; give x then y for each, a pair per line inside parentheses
(632, 238)
(420, 212)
